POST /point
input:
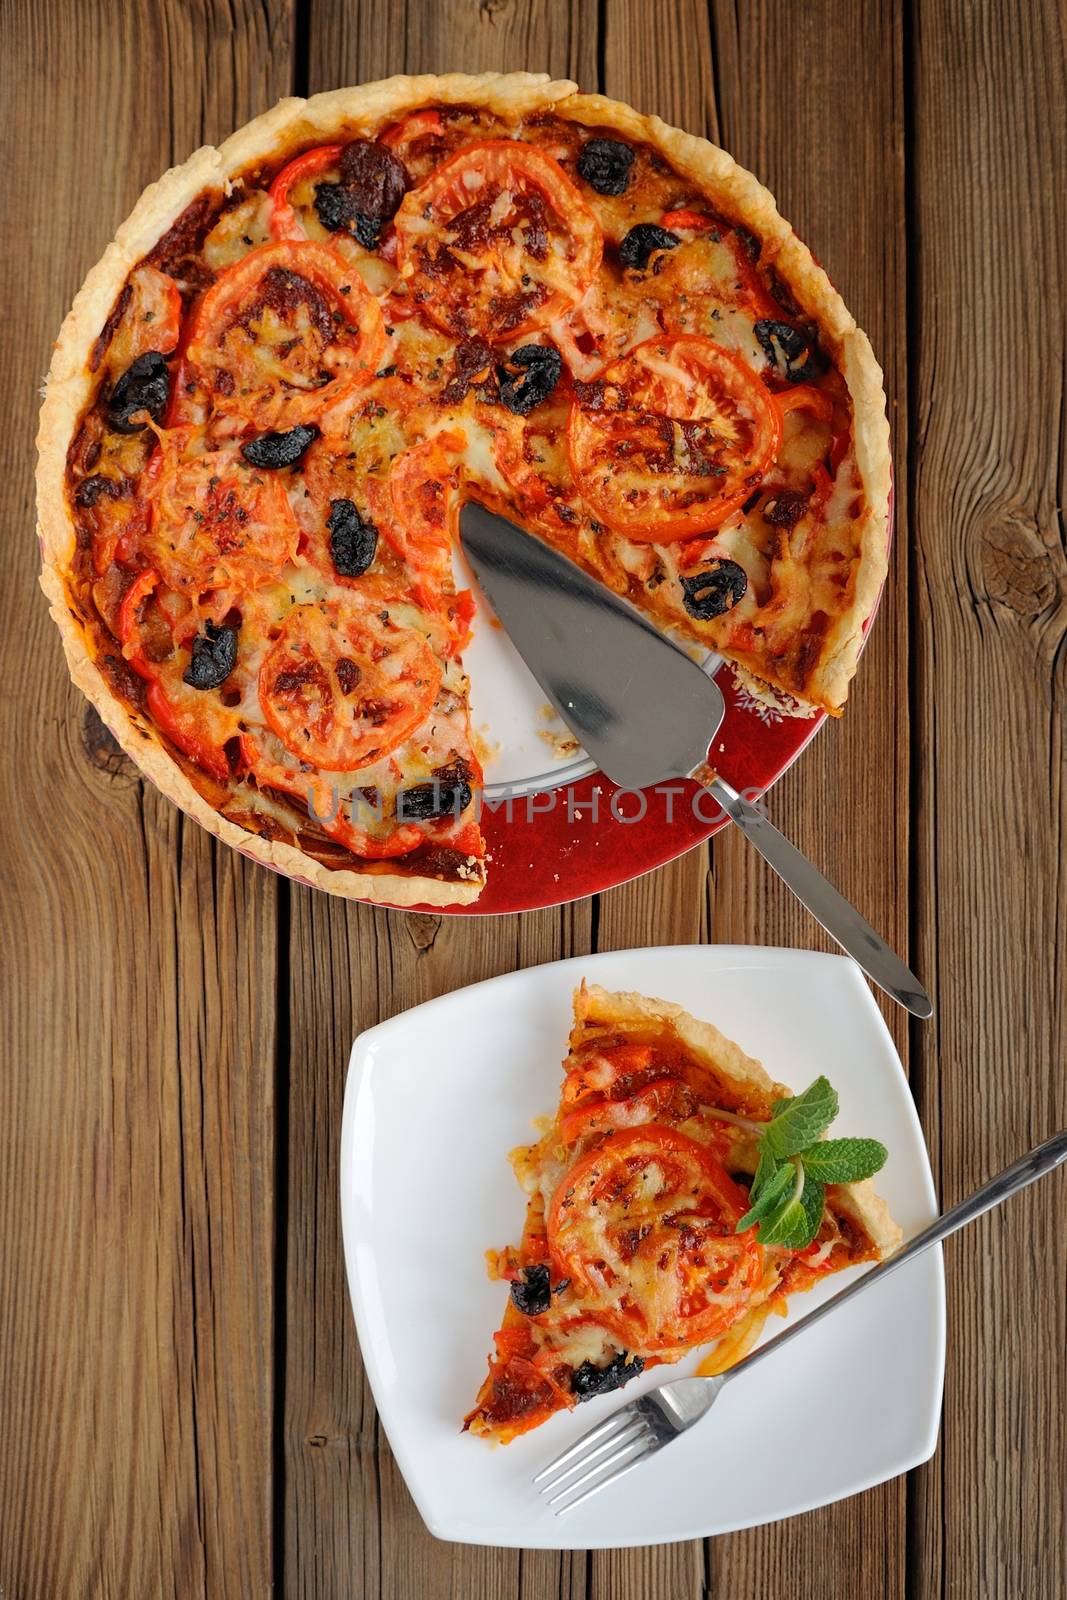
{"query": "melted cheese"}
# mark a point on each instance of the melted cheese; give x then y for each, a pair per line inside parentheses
(699, 287)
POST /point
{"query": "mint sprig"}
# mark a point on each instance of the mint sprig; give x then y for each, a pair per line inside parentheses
(795, 1163)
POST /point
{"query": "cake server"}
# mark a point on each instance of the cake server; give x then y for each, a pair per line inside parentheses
(609, 674)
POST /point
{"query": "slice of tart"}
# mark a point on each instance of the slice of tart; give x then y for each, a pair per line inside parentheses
(678, 1196)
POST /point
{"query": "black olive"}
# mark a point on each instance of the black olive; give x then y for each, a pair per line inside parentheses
(337, 211)
(144, 386)
(89, 490)
(714, 591)
(214, 657)
(353, 542)
(532, 1293)
(641, 243)
(541, 366)
(280, 449)
(588, 1381)
(373, 183)
(449, 794)
(332, 206)
(605, 165)
(367, 231)
(791, 352)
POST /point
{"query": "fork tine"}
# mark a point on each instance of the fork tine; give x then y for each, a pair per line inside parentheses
(641, 1437)
(588, 1438)
(647, 1446)
(626, 1434)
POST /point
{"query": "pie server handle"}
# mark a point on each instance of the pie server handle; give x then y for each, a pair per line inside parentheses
(841, 920)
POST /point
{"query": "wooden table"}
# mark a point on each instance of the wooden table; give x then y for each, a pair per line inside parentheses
(182, 1406)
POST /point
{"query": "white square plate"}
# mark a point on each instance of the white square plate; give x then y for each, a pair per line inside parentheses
(437, 1097)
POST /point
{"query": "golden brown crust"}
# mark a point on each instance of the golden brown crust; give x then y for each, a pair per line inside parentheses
(291, 122)
(703, 1040)
(746, 1077)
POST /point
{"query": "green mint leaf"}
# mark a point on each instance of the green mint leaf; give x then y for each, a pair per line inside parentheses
(767, 1167)
(811, 1204)
(802, 1120)
(780, 1226)
(770, 1196)
(844, 1160)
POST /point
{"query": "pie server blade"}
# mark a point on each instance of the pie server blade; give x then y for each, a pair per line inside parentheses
(643, 710)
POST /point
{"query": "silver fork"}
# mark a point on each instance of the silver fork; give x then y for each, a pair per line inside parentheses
(638, 1430)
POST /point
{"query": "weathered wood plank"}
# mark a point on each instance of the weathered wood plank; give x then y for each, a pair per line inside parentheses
(991, 608)
(136, 1123)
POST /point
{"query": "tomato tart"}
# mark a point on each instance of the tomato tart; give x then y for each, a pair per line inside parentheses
(670, 1205)
(305, 348)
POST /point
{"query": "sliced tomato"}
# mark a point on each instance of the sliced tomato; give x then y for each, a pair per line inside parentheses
(604, 1070)
(626, 1085)
(130, 631)
(644, 1224)
(341, 686)
(151, 319)
(531, 453)
(117, 526)
(805, 397)
(281, 337)
(808, 1260)
(749, 282)
(633, 1110)
(463, 611)
(185, 726)
(217, 523)
(418, 126)
(618, 1087)
(284, 222)
(416, 511)
(496, 241)
(824, 485)
(518, 1396)
(331, 812)
(196, 724)
(685, 434)
(414, 507)
(685, 219)
(713, 271)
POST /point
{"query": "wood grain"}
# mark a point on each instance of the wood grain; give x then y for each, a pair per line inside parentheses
(136, 1117)
(991, 645)
(183, 1407)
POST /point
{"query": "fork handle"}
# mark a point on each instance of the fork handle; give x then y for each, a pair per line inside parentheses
(829, 908)
(1042, 1159)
